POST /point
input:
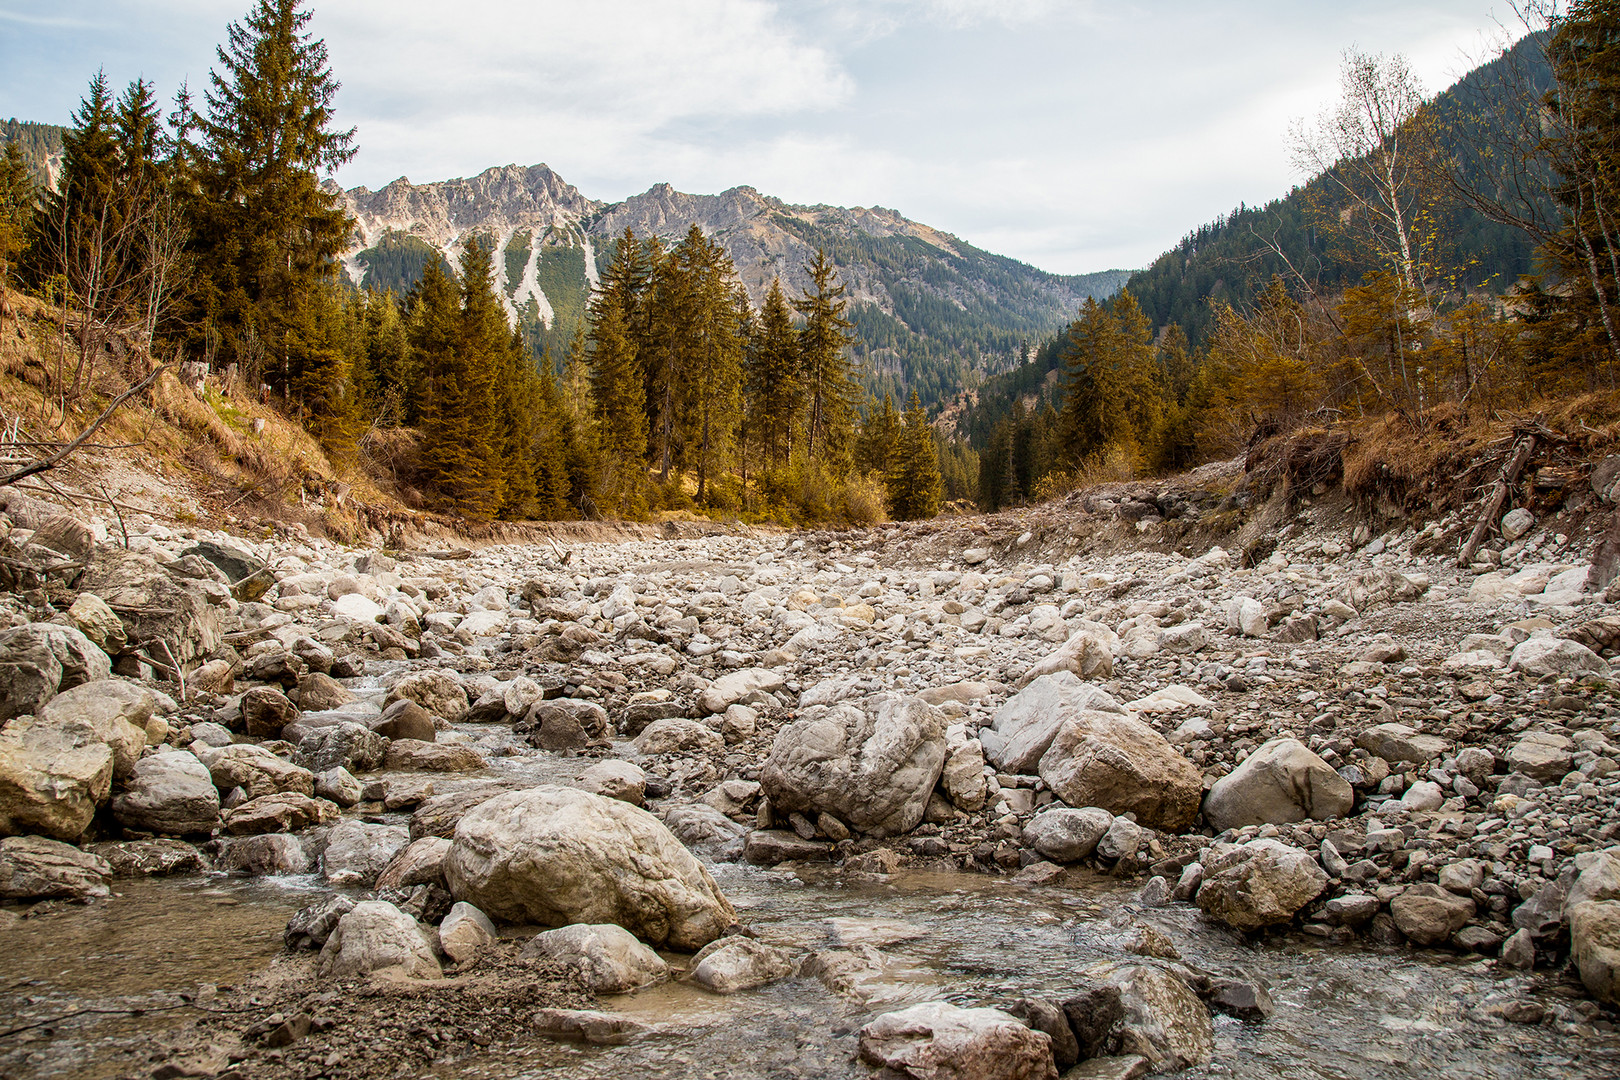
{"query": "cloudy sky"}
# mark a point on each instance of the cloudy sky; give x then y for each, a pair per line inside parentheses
(1072, 134)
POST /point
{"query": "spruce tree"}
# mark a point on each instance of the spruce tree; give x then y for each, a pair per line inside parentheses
(880, 434)
(776, 383)
(266, 234)
(913, 479)
(17, 203)
(829, 384)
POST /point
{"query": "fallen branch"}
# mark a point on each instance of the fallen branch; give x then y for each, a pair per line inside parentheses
(47, 463)
(1499, 492)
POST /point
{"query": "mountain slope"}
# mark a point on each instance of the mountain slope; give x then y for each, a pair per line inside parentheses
(931, 311)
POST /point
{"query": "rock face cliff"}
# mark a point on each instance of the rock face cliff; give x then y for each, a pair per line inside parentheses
(930, 309)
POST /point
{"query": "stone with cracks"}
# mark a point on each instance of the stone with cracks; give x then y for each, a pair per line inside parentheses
(439, 692)
(420, 863)
(871, 767)
(111, 711)
(1280, 782)
(1598, 877)
(256, 771)
(35, 868)
(1257, 884)
(1429, 914)
(376, 936)
(679, 736)
(608, 956)
(284, 811)
(1023, 728)
(344, 745)
(1540, 656)
(357, 852)
(99, 623)
(1398, 742)
(1164, 1021)
(939, 1041)
(51, 781)
(410, 754)
(82, 660)
(1594, 936)
(1122, 765)
(464, 932)
(153, 605)
(1089, 653)
(265, 711)
(170, 794)
(555, 856)
(736, 686)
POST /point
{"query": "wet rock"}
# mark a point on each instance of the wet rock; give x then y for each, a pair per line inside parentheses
(376, 936)
(1023, 728)
(872, 767)
(439, 692)
(339, 786)
(1123, 766)
(170, 794)
(285, 811)
(1163, 1020)
(260, 856)
(1241, 998)
(588, 1026)
(729, 965)
(411, 754)
(939, 1041)
(265, 711)
(419, 863)
(555, 856)
(1282, 781)
(1519, 951)
(35, 868)
(1064, 834)
(465, 932)
(1122, 839)
(405, 719)
(151, 858)
(357, 852)
(1428, 914)
(1257, 884)
(343, 745)
(312, 924)
(1095, 1014)
(256, 771)
(317, 693)
(1121, 1067)
(609, 957)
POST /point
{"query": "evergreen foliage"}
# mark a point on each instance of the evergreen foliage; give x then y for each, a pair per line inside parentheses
(913, 472)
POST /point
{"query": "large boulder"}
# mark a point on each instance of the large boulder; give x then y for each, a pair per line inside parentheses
(420, 863)
(412, 755)
(608, 956)
(1540, 656)
(170, 794)
(1282, 781)
(111, 711)
(153, 605)
(1598, 877)
(265, 711)
(377, 936)
(1260, 883)
(80, 659)
(405, 719)
(266, 854)
(872, 767)
(51, 779)
(555, 856)
(1122, 765)
(34, 868)
(678, 735)
(284, 811)
(249, 576)
(1594, 937)
(1023, 728)
(939, 1041)
(256, 771)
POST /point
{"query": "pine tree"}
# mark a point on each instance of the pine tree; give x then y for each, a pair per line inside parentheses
(775, 381)
(913, 479)
(880, 434)
(266, 233)
(829, 384)
(618, 395)
(17, 204)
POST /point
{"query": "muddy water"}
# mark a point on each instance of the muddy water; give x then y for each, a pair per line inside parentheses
(1341, 1012)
